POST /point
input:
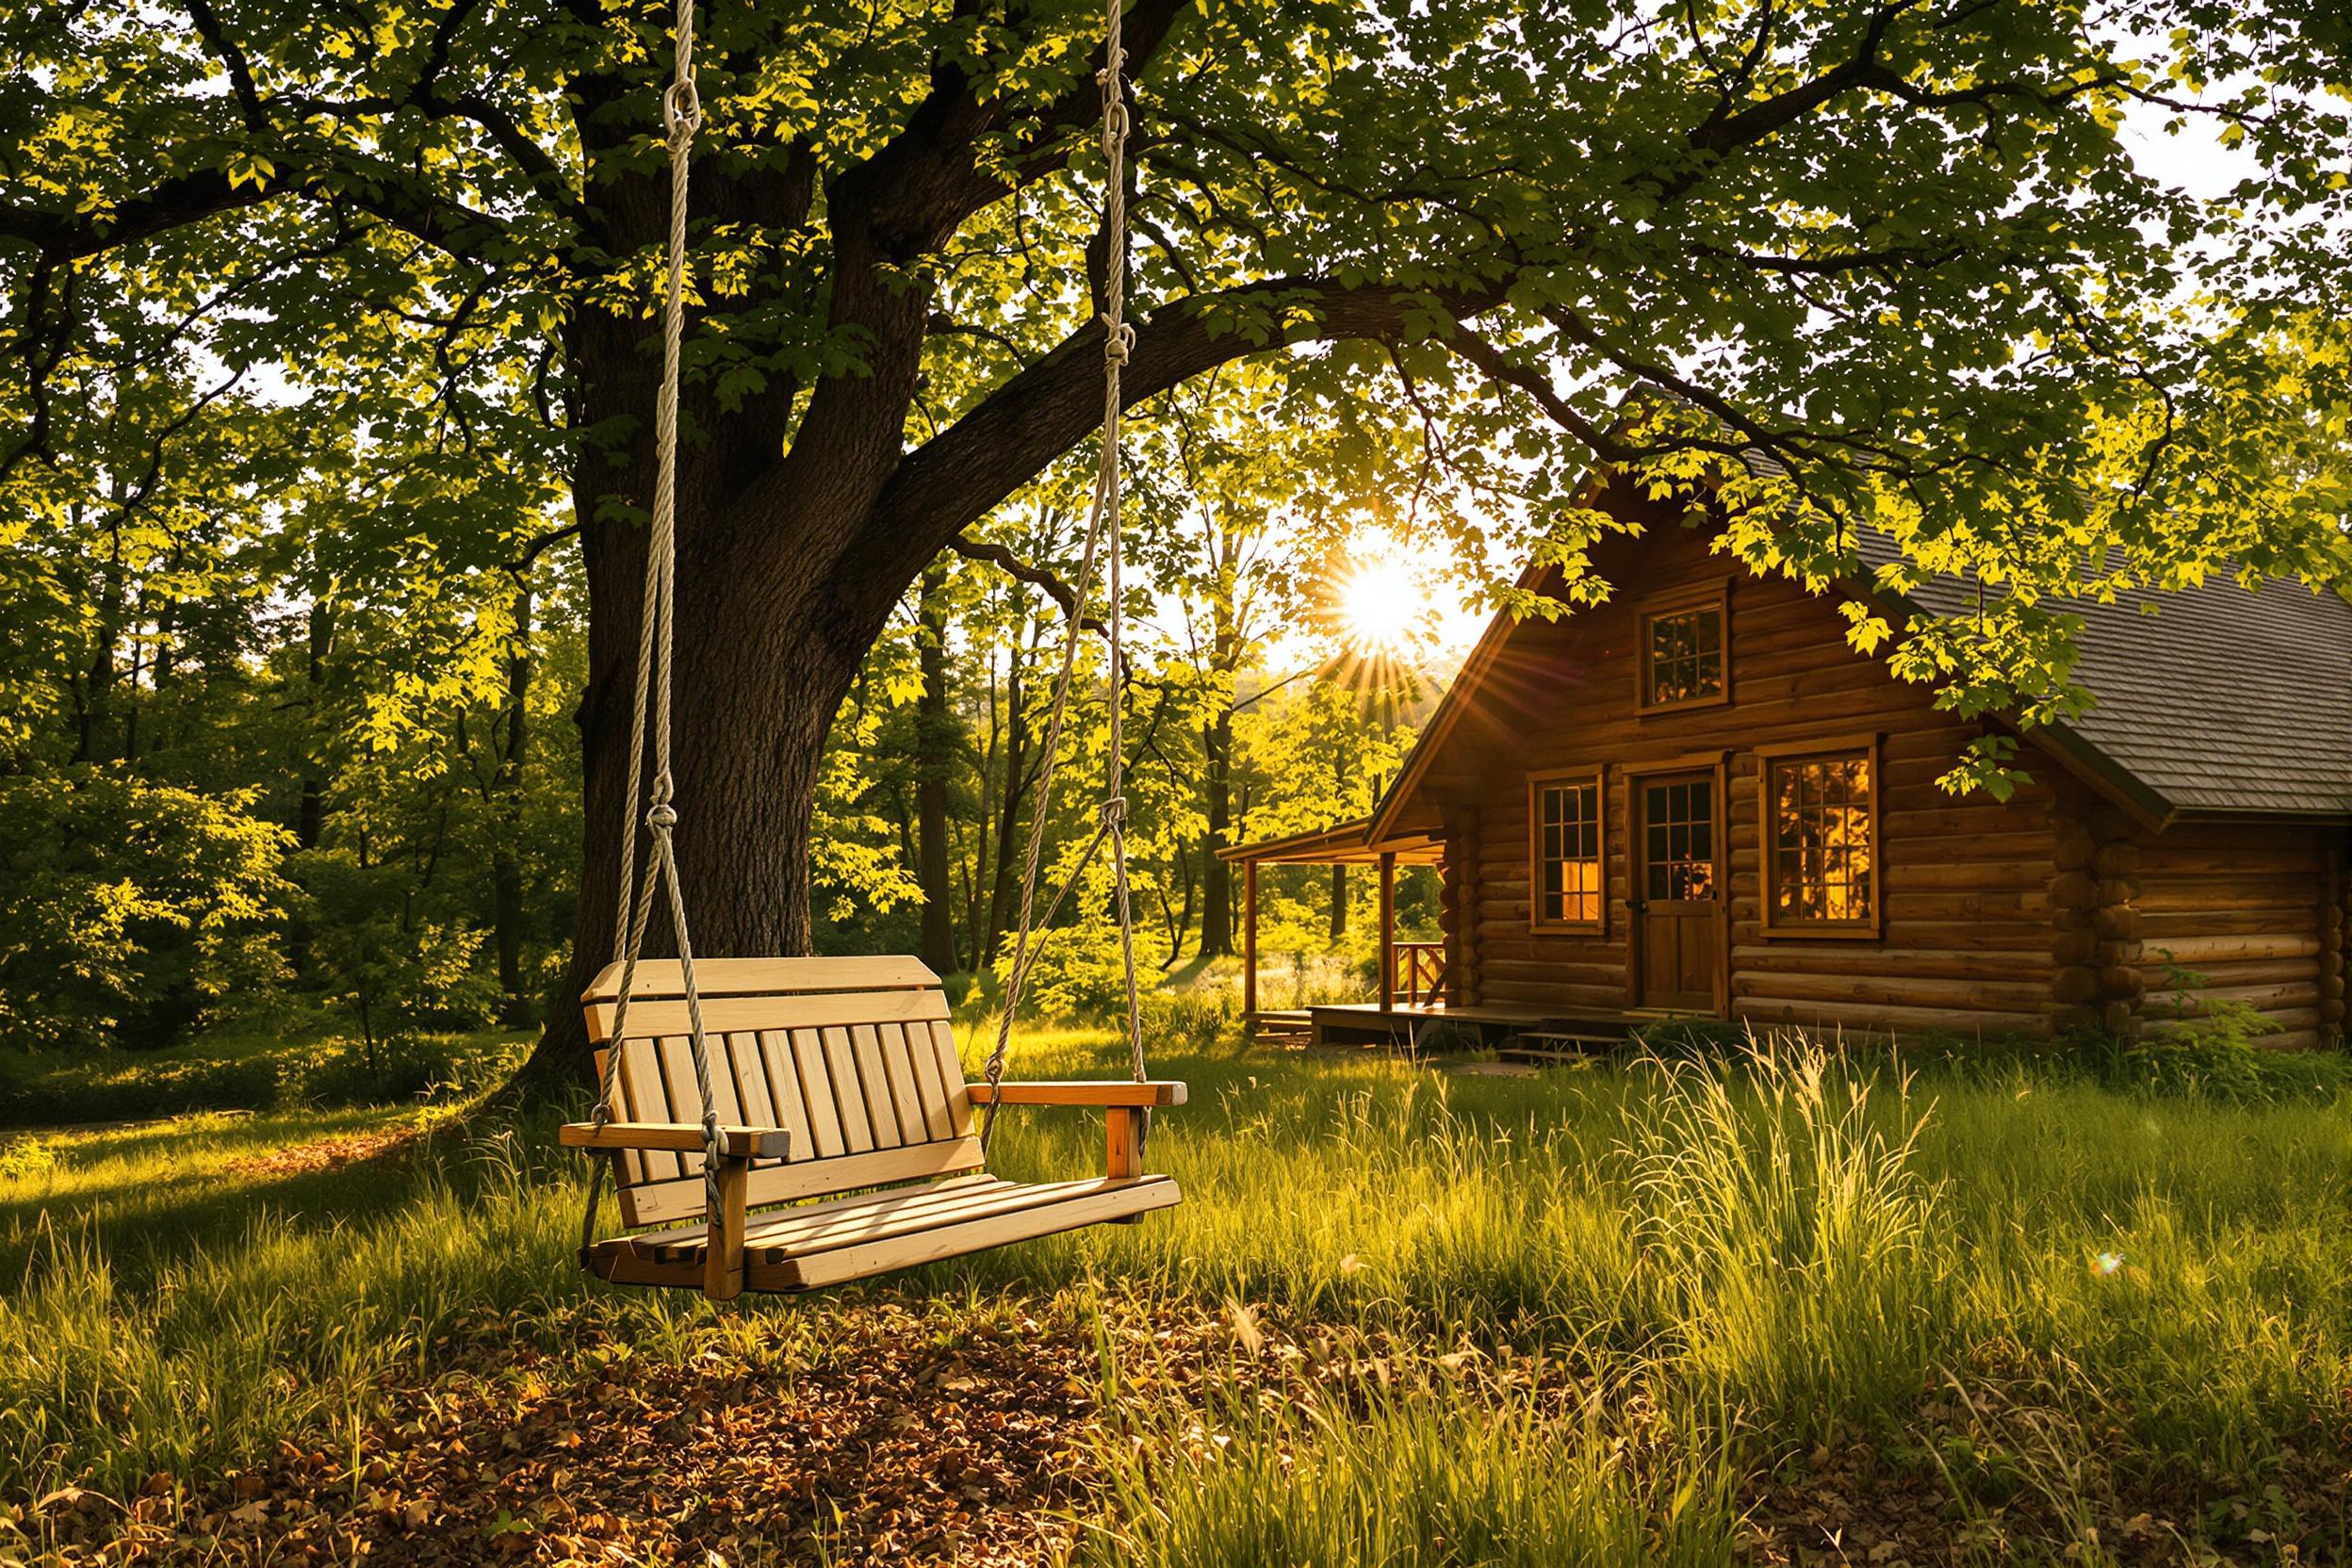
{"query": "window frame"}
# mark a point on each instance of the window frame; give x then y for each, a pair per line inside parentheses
(1595, 775)
(1837, 748)
(1681, 601)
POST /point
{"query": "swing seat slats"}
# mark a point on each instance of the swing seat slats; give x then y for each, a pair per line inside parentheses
(826, 1244)
(829, 1077)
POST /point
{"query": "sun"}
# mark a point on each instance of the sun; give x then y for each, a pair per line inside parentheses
(1379, 604)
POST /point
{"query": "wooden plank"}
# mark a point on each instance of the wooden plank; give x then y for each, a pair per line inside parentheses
(933, 1210)
(728, 1014)
(743, 1142)
(725, 1097)
(676, 1058)
(1087, 1092)
(723, 1263)
(1766, 1011)
(824, 1107)
(753, 1089)
(1796, 957)
(849, 1090)
(689, 1236)
(1963, 995)
(628, 1106)
(951, 1075)
(1123, 1156)
(866, 1258)
(930, 1089)
(2194, 952)
(781, 1076)
(716, 977)
(663, 1201)
(906, 1110)
(872, 1216)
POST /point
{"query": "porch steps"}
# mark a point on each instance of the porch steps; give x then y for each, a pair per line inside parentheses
(1281, 1030)
(1559, 1044)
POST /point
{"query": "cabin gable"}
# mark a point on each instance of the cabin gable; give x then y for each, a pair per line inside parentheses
(1640, 812)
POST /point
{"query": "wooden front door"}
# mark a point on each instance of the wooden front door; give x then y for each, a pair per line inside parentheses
(1678, 892)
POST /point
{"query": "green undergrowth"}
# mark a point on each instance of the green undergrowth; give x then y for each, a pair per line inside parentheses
(1753, 1260)
(295, 1058)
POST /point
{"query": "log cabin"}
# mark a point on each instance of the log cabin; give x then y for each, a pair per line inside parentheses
(1698, 799)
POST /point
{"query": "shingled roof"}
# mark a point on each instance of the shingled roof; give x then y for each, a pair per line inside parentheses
(2211, 698)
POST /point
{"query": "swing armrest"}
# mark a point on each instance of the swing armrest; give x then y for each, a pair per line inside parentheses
(1158, 1091)
(684, 1137)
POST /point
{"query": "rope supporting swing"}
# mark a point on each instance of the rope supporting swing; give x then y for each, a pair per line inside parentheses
(1118, 341)
(649, 721)
(682, 117)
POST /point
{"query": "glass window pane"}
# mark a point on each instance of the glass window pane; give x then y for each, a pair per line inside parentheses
(1821, 852)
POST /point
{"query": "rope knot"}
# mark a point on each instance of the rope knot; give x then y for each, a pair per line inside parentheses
(1119, 340)
(1113, 812)
(662, 816)
(1114, 122)
(681, 108)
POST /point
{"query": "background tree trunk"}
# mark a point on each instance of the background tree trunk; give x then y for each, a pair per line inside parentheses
(1216, 878)
(934, 738)
(506, 869)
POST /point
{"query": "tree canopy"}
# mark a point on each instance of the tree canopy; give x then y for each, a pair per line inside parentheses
(1882, 265)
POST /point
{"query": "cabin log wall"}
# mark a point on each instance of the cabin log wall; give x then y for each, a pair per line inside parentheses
(1459, 906)
(2238, 911)
(1965, 940)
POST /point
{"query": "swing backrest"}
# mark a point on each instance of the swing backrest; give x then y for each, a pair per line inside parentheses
(853, 1056)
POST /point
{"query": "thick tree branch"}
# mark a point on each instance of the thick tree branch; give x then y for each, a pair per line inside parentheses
(231, 60)
(1036, 577)
(953, 479)
(1498, 367)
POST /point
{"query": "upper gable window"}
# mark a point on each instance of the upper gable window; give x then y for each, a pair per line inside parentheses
(1683, 654)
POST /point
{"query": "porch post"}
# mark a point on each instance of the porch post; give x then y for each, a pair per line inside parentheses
(1250, 941)
(1388, 929)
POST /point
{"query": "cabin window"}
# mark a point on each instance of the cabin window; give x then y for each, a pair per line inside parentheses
(1821, 867)
(1566, 814)
(1682, 663)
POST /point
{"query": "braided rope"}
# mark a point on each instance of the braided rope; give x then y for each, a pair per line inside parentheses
(649, 715)
(1118, 341)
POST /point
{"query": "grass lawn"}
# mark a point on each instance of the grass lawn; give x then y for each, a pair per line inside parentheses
(1637, 1312)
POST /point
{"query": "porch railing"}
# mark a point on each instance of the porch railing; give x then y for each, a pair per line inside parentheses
(1420, 971)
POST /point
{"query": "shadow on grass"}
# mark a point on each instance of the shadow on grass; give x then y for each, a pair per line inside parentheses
(149, 1196)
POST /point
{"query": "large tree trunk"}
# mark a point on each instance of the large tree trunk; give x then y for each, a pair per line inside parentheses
(774, 618)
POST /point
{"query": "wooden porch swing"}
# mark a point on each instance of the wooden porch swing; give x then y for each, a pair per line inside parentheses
(826, 1093)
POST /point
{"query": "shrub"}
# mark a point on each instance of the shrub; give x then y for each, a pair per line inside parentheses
(134, 907)
(1190, 1021)
(395, 977)
(1075, 974)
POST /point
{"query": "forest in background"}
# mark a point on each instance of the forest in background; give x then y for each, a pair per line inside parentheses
(265, 749)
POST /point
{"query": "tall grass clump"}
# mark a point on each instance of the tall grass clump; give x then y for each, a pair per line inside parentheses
(1425, 1474)
(1785, 1230)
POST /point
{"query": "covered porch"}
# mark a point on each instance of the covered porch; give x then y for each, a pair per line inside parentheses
(1412, 974)
(1415, 989)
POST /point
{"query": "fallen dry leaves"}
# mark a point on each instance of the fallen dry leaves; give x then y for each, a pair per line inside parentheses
(888, 1435)
(2005, 1462)
(899, 1442)
(304, 1159)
